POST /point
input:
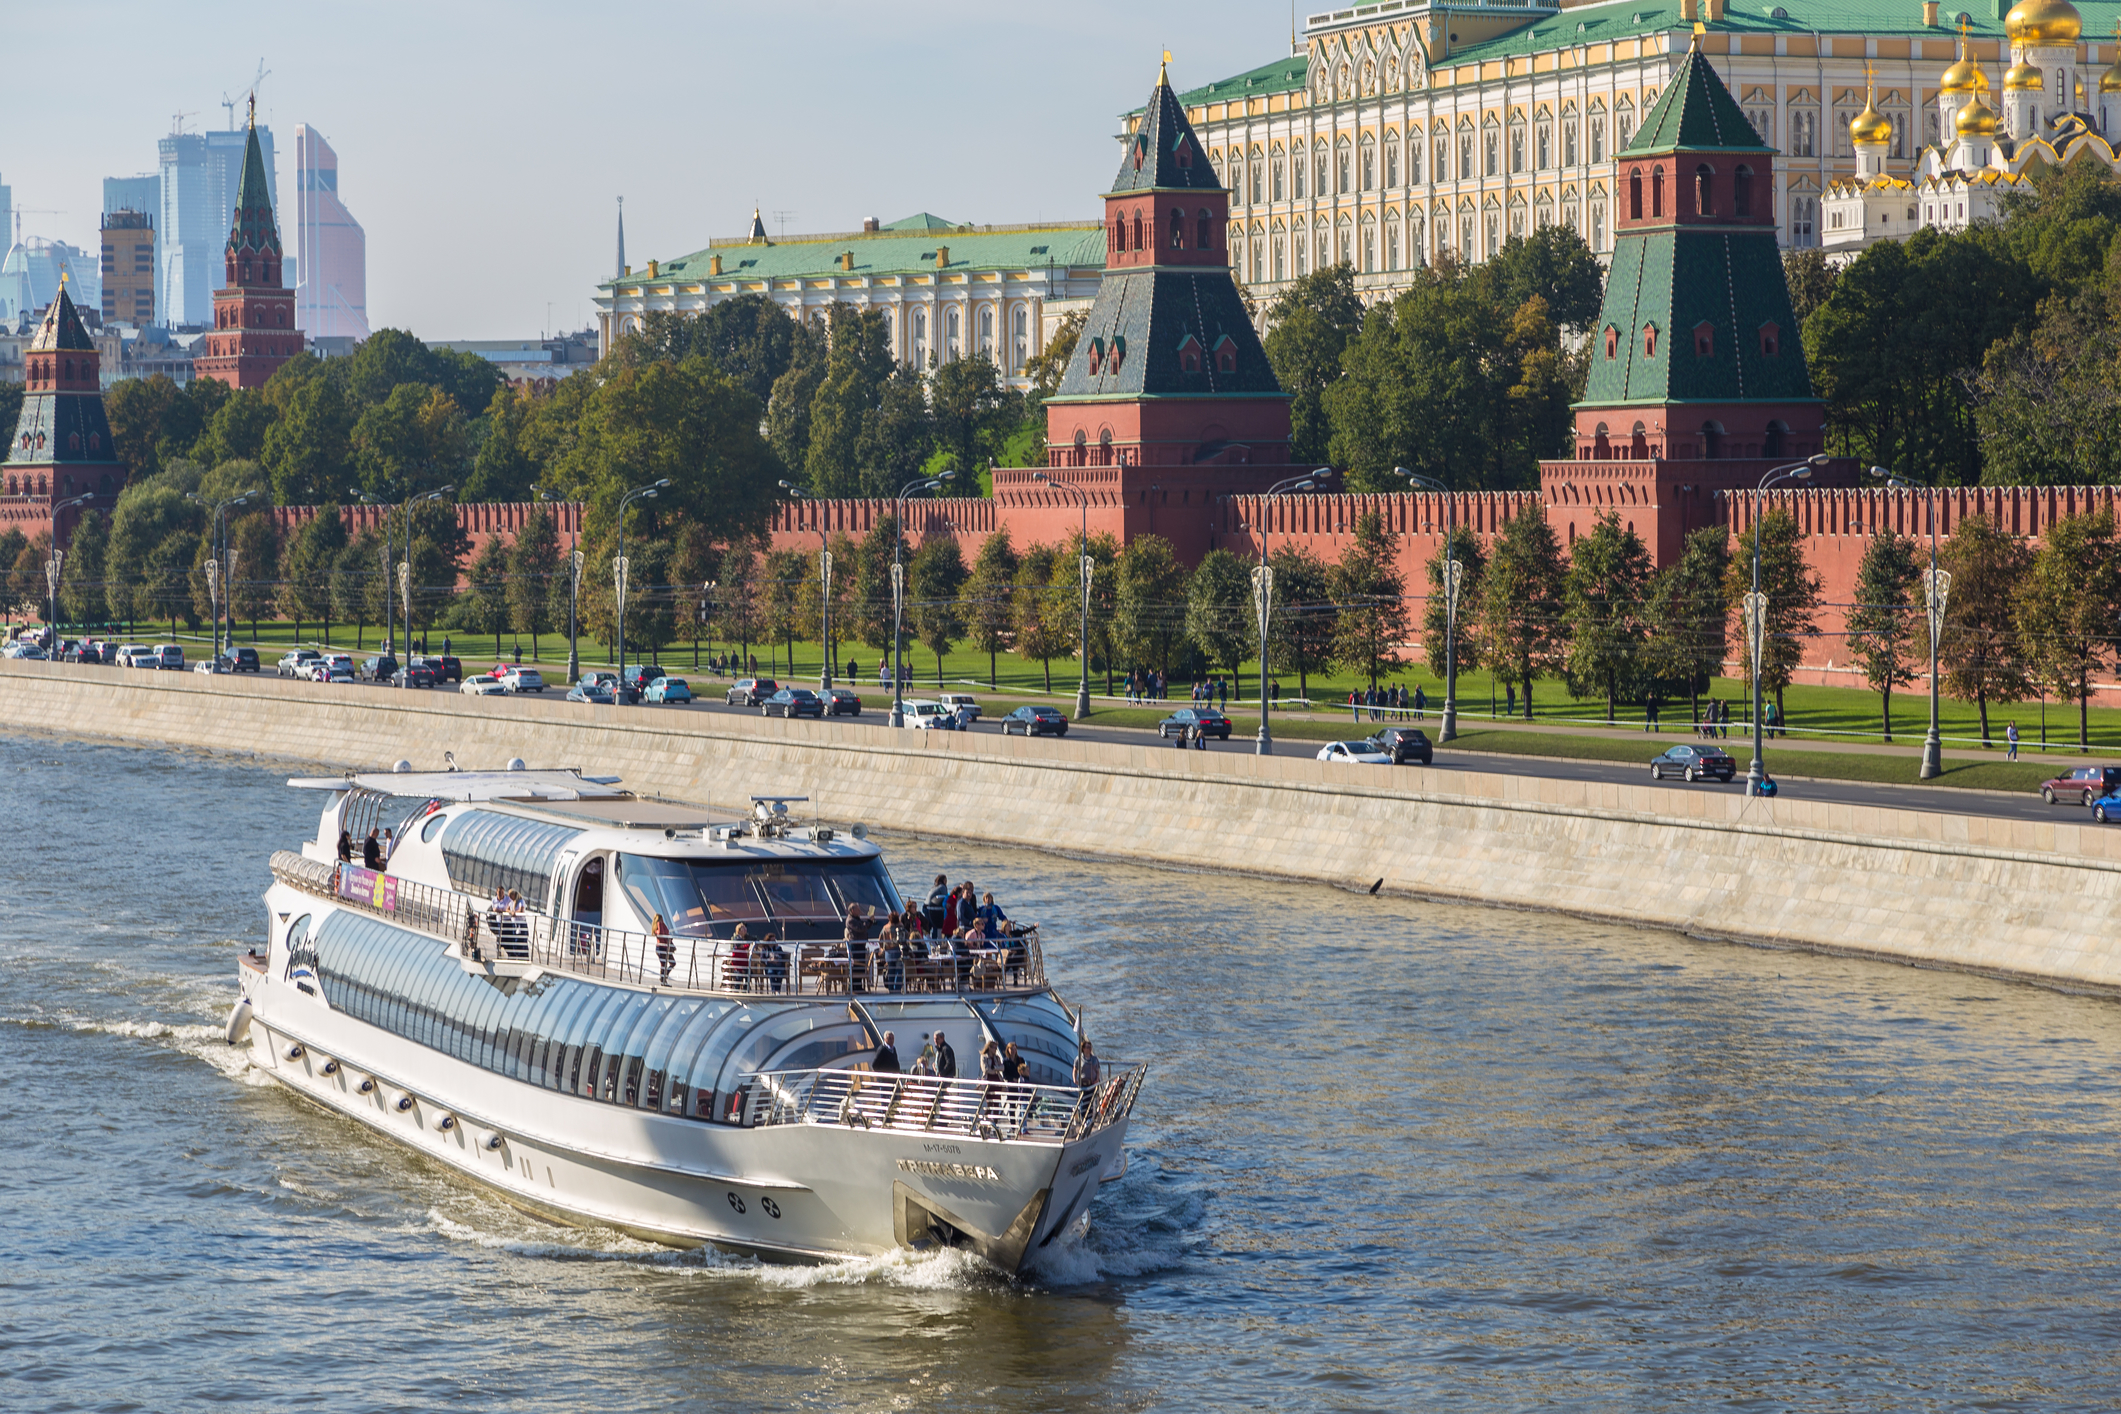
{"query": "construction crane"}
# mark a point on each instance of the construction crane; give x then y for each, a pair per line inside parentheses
(251, 88)
(22, 211)
(176, 122)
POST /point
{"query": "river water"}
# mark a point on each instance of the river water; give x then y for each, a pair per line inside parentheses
(1391, 1155)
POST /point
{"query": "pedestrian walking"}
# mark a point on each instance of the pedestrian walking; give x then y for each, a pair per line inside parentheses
(1421, 704)
(1509, 700)
(1649, 715)
(2010, 737)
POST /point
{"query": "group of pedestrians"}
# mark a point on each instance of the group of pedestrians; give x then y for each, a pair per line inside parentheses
(1147, 686)
(1212, 692)
(1392, 701)
(999, 1061)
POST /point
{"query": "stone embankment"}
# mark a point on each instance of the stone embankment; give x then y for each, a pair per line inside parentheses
(2035, 901)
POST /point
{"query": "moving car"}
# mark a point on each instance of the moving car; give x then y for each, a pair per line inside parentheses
(793, 702)
(2082, 785)
(843, 702)
(596, 689)
(929, 717)
(291, 665)
(1693, 763)
(2107, 808)
(638, 675)
(415, 674)
(667, 690)
(483, 685)
(169, 657)
(25, 650)
(1356, 753)
(241, 660)
(1207, 719)
(963, 703)
(751, 692)
(381, 667)
(1404, 744)
(212, 665)
(337, 668)
(1036, 720)
(523, 680)
(445, 667)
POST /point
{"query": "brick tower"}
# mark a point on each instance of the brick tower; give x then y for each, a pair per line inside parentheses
(254, 317)
(61, 448)
(1698, 380)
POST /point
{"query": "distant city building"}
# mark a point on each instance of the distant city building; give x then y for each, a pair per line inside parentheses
(7, 214)
(946, 290)
(30, 278)
(331, 249)
(141, 193)
(254, 315)
(518, 360)
(128, 268)
(200, 174)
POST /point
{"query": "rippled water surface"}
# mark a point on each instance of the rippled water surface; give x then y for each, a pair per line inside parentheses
(1391, 1155)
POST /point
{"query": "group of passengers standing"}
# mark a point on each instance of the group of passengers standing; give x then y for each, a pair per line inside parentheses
(998, 1061)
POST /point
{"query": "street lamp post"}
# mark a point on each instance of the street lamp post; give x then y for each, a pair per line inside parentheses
(898, 583)
(1755, 606)
(619, 568)
(1263, 594)
(1453, 577)
(1936, 591)
(57, 559)
(402, 570)
(1082, 687)
(220, 577)
(824, 580)
(574, 587)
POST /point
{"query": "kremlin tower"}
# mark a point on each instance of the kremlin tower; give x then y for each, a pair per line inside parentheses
(61, 450)
(254, 317)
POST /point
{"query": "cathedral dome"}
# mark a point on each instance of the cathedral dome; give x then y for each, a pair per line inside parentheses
(1870, 126)
(2110, 81)
(2043, 22)
(1964, 76)
(2022, 78)
(1976, 119)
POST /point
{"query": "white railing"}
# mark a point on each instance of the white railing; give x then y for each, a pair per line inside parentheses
(920, 1104)
(691, 964)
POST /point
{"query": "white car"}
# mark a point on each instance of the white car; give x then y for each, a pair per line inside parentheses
(25, 650)
(169, 656)
(523, 680)
(484, 685)
(1358, 753)
(296, 664)
(930, 717)
(211, 665)
(963, 703)
(336, 668)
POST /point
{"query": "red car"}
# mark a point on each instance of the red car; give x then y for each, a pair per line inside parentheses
(2082, 786)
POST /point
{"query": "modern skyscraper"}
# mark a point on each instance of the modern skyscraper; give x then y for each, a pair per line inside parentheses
(7, 215)
(331, 249)
(200, 174)
(129, 267)
(141, 193)
(254, 314)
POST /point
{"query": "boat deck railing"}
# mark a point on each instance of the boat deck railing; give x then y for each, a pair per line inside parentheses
(919, 1104)
(678, 961)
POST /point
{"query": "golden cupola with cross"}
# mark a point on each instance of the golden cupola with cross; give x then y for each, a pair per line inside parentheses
(2041, 83)
(1871, 134)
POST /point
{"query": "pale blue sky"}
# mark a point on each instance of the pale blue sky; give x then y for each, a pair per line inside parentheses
(482, 144)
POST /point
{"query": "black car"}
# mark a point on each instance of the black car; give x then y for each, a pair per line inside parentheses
(1205, 720)
(443, 666)
(1404, 744)
(240, 660)
(842, 702)
(750, 692)
(1693, 763)
(793, 702)
(1035, 721)
(381, 668)
(416, 674)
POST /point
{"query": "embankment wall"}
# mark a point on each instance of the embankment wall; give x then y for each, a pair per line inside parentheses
(2035, 900)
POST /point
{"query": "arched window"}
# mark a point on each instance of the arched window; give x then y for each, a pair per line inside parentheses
(1178, 229)
(1649, 341)
(1656, 191)
(1138, 230)
(1119, 233)
(1205, 236)
(1704, 340)
(1639, 443)
(1742, 192)
(1635, 196)
(1345, 166)
(1082, 448)
(1772, 447)
(1704, 190)
(1601, 443)
(1770, 340)
(1612, 342)
(1104, 447)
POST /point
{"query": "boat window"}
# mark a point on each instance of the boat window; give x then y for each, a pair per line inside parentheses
(567, 1070)
(709, 1064)
(655, 1056)
(799, 898)
(684, 1053)
(432, 828)
(487, 851)
(480, 1019)
(573, 996)
(821, 1048)
(761, 1042)
(631, 1056)
(601, 1055)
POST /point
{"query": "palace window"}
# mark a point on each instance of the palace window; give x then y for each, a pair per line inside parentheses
(1319, 173)
(1369, 163)
(1205, 235)
(1704, 190)
(1392, 246)
(1516, 147)
(1742, 192)
(1543, 146)
(1657, 191)
(986, 332)
(1275, 169)
(1138, 242)
(1259, 177)
(1296, 176)
(1804, 133)
(1704, 340)
(1022, 322)
(1391, 164)
(1490, 154)
(1597, 124)
(1465, 157)
(1178, 229)
(1414, 162)
(1635, 196)
(1443, 159)
(1345, 168)
(1568, 140)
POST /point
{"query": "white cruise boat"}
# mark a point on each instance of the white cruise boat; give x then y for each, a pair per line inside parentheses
(714, 1087)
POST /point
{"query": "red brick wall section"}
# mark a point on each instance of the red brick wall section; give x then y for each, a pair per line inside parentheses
(482, 521)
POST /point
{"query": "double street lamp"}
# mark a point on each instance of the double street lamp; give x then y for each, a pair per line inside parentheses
(574, 584)
(1453, 579)
(898, 584)
(824, 580)
(1263, 593)
(403, 568)
(1754, 609)
(221, 562)
(1936, 590)
(1088, 568)
(56, 559)
(619, 567)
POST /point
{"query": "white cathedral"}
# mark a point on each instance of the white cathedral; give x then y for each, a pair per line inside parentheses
(2050, 114)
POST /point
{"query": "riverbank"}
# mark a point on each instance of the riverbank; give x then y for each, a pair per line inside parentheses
(2036, 901)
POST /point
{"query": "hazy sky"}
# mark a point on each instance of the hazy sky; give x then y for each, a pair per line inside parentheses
(482, 145)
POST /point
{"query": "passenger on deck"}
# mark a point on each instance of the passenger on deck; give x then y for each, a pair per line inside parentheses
(990, 1062)
(666, 951)
(857, 938)
(1013, 1067)
(967, 906)
(937, 911)
(345, 847)
(945, 1058)
(371, 852)
(390, 844)
(991, 917)
(924, 1063)
(894, 959)
(1087, 1071)
(887, 1055)
(776, 958)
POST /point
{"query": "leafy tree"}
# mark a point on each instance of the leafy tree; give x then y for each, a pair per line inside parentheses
(2069, 607)
(483, 607)
(306, 452)
(738, 600)
(1979, 653)
(1792, 591)
(870, 614)
(1463, 545)
(1037, 634)
(937, 580)
(750, 339)
(12, 545)
(1305, 622)
(357, 583)
(1881, 633)
(533, 564)
(2045, 401)
(81, 591)
(237, 430)
(154, 538)
(784, 602)
(138, 409)
(11, 406)
(1605, 598)
(1308, 329)
(794, 393)
(857, 368)
(973, 411)
(391, 358)
(1065, 609)
(1521, 601)
(413, 440)
(987, 601)
(25, 578)
(1149, 602)
(1689, 616)
(1554, 265)
(1372, 622)
(503, 468)
(1810, 277)
(312, 555)
(896, 435)
(1049, 365)
(1219, 616)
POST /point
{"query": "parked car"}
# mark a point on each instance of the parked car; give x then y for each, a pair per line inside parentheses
(523, 680)
(1693, 763)
(445, 667)
(1356, 753)
(381, 667)
(963, 703)
(169, 657)
(929, 717)
(593, 689)
(667, 690)
(638, 675)
(1207, 719)
(415, 674)
(2082, 785)
(241, 659)
(212, 665)
(1035, 720)
(2107, 808)
(25, 650)
(751, 692)
(793, 702)
(605, 676)
(137, 655)
(843, 702)
(482, 685)
(337, 668)
(291, 665)
(1404, 744)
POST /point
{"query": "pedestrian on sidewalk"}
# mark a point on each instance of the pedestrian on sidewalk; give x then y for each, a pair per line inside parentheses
(1649, 714)
(2010, 737)
(1509, 699)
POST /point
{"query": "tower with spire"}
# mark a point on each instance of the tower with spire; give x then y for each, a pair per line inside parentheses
(61, 448)
(254, 329)
(618, 267)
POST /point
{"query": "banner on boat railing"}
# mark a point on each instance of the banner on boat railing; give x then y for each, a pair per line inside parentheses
(369, 887)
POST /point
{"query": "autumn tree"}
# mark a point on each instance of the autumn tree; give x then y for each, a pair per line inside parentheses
(2069, 610)
(1521, 601)
(1605, 602)
(1881, 631)
(1793, 593)
(1980, 656)
(1369, 594)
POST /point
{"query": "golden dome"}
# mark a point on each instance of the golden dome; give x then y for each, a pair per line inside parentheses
(2110, 81)
(2043, 22)
(2019, 78)
(1976, 119)
(1964, 76)
(1870, 126)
